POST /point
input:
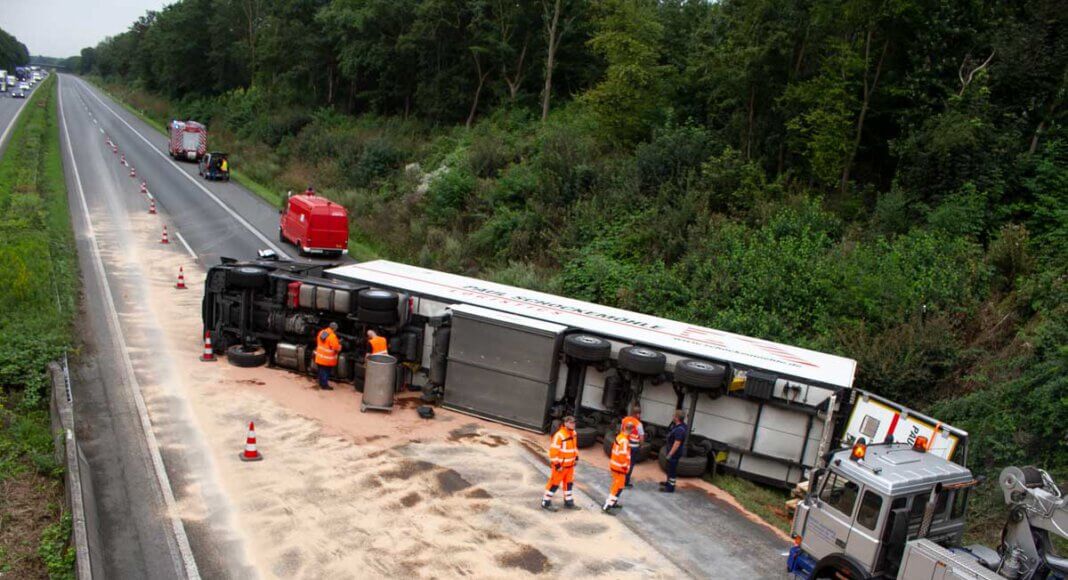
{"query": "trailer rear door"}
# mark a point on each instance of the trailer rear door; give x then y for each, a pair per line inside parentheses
(501, 366)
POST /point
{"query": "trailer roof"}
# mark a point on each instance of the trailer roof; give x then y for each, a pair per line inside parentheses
(672, 335)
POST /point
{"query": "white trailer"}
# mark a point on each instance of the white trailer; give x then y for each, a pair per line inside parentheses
(3, 81)
(767, 423)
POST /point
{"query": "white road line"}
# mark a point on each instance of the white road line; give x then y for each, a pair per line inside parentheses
(185, 558)
(3, 136)
(206, 191)
(187, 248)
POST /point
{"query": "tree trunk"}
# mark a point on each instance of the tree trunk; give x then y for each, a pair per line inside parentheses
(552, 31)
(478, 90)
(1041, 127)
(869, 89)
(516, 80)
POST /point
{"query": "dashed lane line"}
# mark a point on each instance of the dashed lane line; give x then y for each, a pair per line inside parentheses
(206, 191)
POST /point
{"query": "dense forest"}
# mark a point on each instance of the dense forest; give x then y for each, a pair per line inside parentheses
(883, 179)
(12, 52)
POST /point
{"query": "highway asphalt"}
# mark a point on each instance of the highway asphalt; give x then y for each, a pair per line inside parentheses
(9, 108)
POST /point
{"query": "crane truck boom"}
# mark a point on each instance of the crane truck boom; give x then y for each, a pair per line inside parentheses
(896, 511)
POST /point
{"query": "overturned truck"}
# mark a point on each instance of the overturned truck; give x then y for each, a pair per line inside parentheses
(762, 410)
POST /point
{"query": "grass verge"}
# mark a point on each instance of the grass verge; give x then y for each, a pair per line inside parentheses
(38, 298)
(766, 502)
(155, 116)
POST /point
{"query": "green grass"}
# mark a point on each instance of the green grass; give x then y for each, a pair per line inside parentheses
(38, 301)
(766, 502)
(271, 193)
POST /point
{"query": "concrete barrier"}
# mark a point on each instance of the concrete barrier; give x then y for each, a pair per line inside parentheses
(79, 493)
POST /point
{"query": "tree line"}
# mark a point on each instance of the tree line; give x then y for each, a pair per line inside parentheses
(12, 53)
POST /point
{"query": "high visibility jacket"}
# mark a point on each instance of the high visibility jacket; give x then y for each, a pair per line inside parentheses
(224, 166)
(563, 451)
(327, 347)
(378, 345)
(638, 432)
(620, 461)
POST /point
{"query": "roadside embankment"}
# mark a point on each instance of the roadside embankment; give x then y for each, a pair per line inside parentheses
(38, 292)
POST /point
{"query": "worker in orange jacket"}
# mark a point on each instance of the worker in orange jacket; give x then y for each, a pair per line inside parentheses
(327, 349)
(620, 465)
(636, 433)
(563, 455)
(376, 344)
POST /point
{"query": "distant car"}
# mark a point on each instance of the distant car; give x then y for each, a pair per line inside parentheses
(18, 94)
(24, 87)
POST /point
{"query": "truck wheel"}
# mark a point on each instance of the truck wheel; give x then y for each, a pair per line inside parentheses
(586, 436)
(376, 316)
(282, 237)
(700, 374)
(246, 277)
(837, 567)
(641, 360)
(587, 348)
(375, 299)
(244, 356)
(693, 463)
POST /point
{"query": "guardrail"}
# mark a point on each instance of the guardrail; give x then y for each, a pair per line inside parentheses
(79, 487)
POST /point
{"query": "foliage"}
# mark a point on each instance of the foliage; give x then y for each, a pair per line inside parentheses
(12, 53)
(56, 549)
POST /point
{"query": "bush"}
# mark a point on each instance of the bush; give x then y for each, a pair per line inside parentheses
(448, 195)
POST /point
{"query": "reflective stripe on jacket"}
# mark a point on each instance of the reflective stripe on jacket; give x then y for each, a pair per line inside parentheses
(620, 462)
(327, 347)
(637, 433)
(563, 451)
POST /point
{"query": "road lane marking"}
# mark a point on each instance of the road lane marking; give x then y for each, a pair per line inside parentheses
(178, 235)
(185, 559)
(234, 214)
(3, 137)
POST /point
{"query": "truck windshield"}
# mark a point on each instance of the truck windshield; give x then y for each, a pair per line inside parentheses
(840, 493)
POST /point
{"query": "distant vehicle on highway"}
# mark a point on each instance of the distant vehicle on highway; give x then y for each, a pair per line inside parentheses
(24, 86)
(215, 166)
(18, 94)
(189, 140)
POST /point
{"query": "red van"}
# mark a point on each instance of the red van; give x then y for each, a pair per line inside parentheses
(315, 225)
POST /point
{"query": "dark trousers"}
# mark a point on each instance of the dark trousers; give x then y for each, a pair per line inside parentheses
(672, 470)
(324, 376)
(633, 462)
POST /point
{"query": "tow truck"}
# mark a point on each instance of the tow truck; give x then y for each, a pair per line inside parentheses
(893, 510)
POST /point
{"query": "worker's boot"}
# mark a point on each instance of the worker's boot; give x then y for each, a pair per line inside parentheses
(608, 510)
(571, 505)
(548, 506)
(326, 387)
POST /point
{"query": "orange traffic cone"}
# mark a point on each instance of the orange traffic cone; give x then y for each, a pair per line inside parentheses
(181, 279)
(133, 172)
(144, 187)
(209, 352)
(152, 206)
(122, 159)
(250, 453)
(164, 240)
(114, 148)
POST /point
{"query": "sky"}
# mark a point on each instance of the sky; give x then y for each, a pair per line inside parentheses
(63, 28)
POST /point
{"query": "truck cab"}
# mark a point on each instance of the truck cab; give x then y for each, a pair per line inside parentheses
(869, 502)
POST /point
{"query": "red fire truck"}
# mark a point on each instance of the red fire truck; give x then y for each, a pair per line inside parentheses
(189, 140)
(314, 224)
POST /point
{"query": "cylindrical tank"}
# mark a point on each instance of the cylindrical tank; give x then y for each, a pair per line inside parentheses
(379, 381)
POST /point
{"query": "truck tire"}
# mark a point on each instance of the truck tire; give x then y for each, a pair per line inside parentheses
(247, 357)
(586, 436)
(282, 237)
(837, 566)
(699, 374)
(246, 278)
(641, 360)
(376, 316)
(587, 348)
(375, 299)
(693, 464)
